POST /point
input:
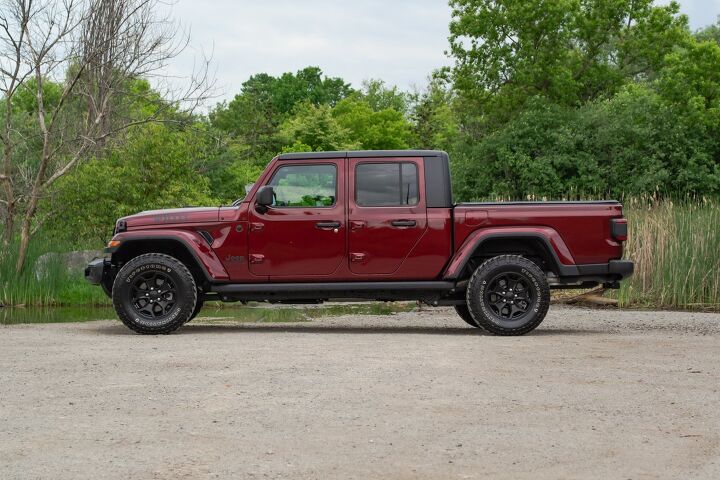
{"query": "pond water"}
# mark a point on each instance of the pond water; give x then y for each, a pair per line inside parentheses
(211, 313)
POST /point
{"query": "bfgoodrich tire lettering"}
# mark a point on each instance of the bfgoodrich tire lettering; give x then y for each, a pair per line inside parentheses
(154, 294)
(508, 295)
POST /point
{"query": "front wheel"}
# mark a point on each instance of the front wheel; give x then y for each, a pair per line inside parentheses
(154, 293)
(508, 295)
(198, 306)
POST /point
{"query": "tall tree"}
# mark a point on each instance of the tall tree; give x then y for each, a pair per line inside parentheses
(570, 51)
(313, 128)
(254, 116)
(95, 50)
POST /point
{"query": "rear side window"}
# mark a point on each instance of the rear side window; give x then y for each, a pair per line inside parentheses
(305, 186)
(386, 184)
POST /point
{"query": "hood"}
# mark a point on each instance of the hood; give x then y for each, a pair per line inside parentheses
(172, 216)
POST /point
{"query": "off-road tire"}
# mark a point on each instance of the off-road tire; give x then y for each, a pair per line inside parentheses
(464, 313)
(480, 293)
(184, 297)
(198, 306)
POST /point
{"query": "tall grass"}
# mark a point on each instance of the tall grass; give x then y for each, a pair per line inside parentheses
(676, 249)
(53, 286)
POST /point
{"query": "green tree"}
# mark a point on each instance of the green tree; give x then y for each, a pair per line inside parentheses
(635, 143)
(154, 169)
(381, 97)
(373, 130)
(255, 115)
(570, 51)
(434, 121)
(710, 33)
(314, 128)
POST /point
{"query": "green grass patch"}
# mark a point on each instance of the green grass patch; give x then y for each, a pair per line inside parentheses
(51, 286)
(676, 250)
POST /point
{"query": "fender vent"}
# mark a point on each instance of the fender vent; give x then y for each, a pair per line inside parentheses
(206, 235)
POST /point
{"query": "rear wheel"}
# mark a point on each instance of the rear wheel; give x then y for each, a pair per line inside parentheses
(464, 313)
(508, 295)
(154, 293)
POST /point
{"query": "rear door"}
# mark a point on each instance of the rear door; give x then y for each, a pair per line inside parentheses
(303, 233)
(386, 213)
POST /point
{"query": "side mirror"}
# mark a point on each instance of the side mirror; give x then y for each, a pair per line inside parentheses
(264, 198)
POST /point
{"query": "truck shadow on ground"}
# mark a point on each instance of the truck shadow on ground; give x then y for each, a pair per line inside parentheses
(202, 329)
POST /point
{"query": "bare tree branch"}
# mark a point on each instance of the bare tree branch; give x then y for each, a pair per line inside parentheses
(98, 51)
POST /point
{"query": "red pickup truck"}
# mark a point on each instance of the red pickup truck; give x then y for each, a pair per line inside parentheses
(378, 225)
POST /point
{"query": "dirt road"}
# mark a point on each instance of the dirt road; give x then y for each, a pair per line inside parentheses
(591, 394)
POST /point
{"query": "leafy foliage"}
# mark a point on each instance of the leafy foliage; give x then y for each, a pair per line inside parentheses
(314, 129)
(253, 118)
(569, 51)
(373, 129)
(152, 170)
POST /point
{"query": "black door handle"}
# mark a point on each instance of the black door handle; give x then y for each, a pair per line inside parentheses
(403, 223)
(328, 225)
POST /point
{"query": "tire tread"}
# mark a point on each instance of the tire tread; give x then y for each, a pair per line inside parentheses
(175, 324)
(500, 260)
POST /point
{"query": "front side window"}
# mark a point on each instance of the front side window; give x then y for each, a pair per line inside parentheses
(304, 186)
(386, 184)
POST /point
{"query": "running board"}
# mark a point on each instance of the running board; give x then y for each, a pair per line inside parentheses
(330, 290)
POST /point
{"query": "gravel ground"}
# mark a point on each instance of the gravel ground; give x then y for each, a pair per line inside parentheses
(591, 394)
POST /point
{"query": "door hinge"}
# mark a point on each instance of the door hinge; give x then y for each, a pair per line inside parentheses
(357, 257)
(357, 225)
(257, 258)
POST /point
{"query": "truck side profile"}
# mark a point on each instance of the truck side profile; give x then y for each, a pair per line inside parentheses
(377, 225)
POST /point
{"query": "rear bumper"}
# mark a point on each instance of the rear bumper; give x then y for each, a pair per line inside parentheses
(585, 276)
(621, 268)
(614, 269)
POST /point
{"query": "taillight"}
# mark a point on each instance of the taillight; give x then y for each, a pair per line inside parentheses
(619, 229)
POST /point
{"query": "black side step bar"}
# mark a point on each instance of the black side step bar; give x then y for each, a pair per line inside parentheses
(321, 288)
(432, 290)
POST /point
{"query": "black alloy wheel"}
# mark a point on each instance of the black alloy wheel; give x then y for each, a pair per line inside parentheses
(154, 293)
(508, 295)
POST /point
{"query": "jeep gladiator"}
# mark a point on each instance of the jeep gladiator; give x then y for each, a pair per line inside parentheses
(377, 225)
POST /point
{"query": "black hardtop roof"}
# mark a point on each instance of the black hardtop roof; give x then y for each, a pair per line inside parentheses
(362, 154)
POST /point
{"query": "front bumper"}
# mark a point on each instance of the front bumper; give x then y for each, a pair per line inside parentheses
(94, 271)
(98, 272)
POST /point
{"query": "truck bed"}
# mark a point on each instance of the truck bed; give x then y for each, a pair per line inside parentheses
(584, 226)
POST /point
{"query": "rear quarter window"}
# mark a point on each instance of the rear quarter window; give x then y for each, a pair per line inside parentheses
(392, 184)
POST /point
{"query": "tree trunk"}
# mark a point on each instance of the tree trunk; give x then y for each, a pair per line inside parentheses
(6, 179)
(24, 243)
(8, 228)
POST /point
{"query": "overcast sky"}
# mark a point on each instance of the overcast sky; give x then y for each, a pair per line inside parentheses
(400, 41)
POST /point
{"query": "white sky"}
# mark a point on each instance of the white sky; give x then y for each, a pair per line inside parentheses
(399, 41)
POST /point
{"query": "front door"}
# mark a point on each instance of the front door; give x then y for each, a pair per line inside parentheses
(303, 233)
(386, 213)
